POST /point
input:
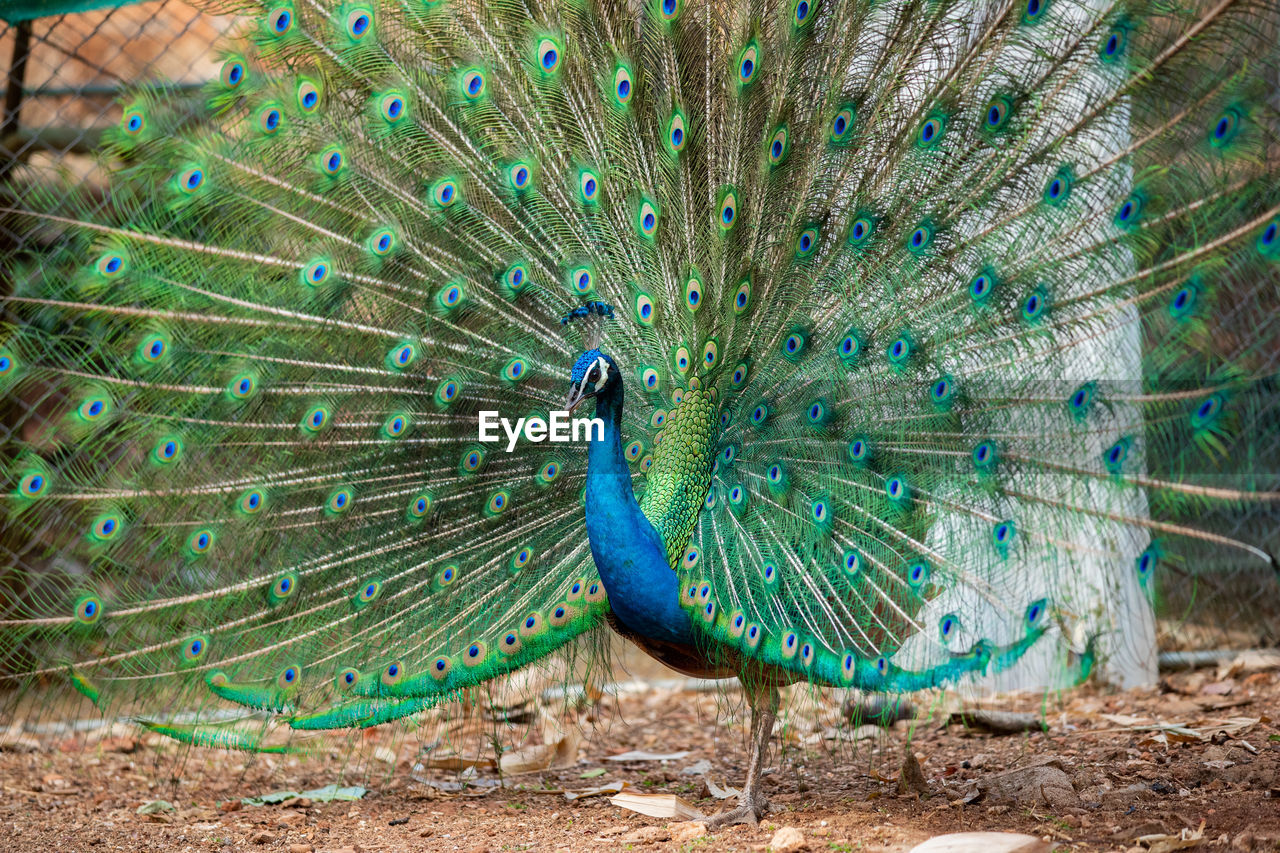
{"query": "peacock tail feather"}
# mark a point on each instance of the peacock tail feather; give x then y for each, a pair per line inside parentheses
(927, 312)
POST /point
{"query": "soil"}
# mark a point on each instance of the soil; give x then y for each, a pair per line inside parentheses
(1194, 764)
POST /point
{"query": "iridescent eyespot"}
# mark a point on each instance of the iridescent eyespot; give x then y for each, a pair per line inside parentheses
(32, 484)
(1034, 10)
(232, 73)
(728, 209)
(1035, 305)
(669, 9)
(316, 273)
(289, 677)
(803, 12)
(402, 356)
(649, 378)
(521, 558)
(1225, 128)
(633, 451)
(1036, 611)
(548, 56)
(1129, 211)
(841, 125)
(1058, 189)
(167, 450)
(1081, 400)
(997, 113)
(393, 673)
(644, 309)
(759, 414)
(392, 108)
(742, 299)
(280, 20)
(444, 193)
(450, 296)
(338, 502)
(194, 648)
(1147, 561)
(776, 474)
(948, 625)
(920, 239)
(779, 145)
(446, 391)
(895, 488)
(419, 506)
(242, 386)
(251, 501)
(899, 351)
(681, 359)
(1269, 240)
(515, 277)
(1002, 534)
(581, 280)
(852, 562)
(1207, 411)
(739, 376)
(748, 62)
(676, 135)
(549, 472)
(153, 348)
(531, 625)
(359, 23)
(821, 511)
(473, 84)
(331, 161)
(200, 541)
(793, 345)
(622, 85)
(518, 175)
(105, 527)
(474, 654)
(693, 294)
(981, 286)
(447, 575)
(1113, 46)
(498, 502)
(315, 418)
(647, 218)
(861, 230)
(94, 407)
(985, 455)
(931, 131)
(308, 96)
(191, 180)
(346, 679)
(88, 610)
(658, 418)
(807, 241)
(269, 119)
(515, 370)
(859, 451)
(588, 186)
(133, 122)
(7, 365)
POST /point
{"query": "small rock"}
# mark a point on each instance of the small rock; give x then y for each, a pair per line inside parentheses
(261, 838)
(646, 835)
(788, 839)
(697, 768)
(911, 780)
(687, 831)
(1040, 784)
(300, 848)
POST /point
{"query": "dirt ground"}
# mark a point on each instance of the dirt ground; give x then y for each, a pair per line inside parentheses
(1194, 764)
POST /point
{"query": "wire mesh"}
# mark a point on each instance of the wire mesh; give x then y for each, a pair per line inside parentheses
(65, 75)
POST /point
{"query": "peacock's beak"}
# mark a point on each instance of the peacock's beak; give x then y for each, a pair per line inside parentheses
(576, 398)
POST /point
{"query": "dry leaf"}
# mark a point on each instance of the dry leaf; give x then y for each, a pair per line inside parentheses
(1169, 843)
(529, 759)
(667, 806)
(721, 793)
(615, 787)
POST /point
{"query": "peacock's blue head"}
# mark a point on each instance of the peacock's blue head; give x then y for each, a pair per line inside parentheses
(591, 373)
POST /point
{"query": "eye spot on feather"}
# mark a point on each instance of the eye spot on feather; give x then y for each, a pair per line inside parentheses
(475, 654)
(1269, 240)
(1207, 411)
(693, 294)
(899, 351)
(1080, 401)
(931, 132)
(1113, 45)
(88, 610)
(841, 125)
(752, 636)
(985, 456)
(759, 414)
(338, 502)
(444, 194)
(346, 679)
(669, 9)
(981, 287)
(133, 122)
(622, 86)
(1036, 611)
(359, 24)
(251, 501)
(821, 511)
(232, 73)
(807, 242)
(779, 146)
(1225, 129)
(770, 574)
(106, 527)
(200, 542)
(895, 488)
(1147, 562)
(1034, 11)
(588, 186)
(473, 84)
(548, 56)
(242, 387)
(279, 20)
(676, 137)
(191, 180)
(802, 12)
(658, 418)
(393, 673)
(368, 592)
(790, 644)
(308, 97)
(690, 558)
(498, 502)
(392, 108)
(852, 563)
(510, 643)
(531, 626)
(419, 506)
(194, 649)
(1130, 211)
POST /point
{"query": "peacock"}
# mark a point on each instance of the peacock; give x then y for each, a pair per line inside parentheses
(917, 339)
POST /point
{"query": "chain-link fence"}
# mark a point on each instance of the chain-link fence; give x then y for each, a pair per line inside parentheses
(65, 73)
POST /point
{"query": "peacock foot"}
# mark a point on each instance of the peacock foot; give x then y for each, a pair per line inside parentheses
(749, 811)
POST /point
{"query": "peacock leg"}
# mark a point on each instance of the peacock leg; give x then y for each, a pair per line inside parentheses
(752, 804)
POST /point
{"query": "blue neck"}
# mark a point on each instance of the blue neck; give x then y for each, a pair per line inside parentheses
(644, 591)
